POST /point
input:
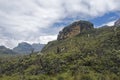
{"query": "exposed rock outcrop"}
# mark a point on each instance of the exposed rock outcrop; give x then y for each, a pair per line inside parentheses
(74, 29)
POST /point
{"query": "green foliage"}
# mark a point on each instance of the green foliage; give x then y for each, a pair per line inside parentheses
(83, 57)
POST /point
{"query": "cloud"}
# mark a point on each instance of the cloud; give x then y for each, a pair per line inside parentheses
(110, 23)
(33, 20)
(45, 39)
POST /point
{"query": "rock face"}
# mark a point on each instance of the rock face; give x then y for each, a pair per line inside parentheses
(74, 29)
(117, 23)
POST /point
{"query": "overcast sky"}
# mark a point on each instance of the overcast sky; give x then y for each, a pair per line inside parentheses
(39, 21)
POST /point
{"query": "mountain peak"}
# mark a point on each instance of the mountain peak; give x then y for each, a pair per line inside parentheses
(23, 44)
(23, 47)
(2, 47)
(27, 48)
(74, 29)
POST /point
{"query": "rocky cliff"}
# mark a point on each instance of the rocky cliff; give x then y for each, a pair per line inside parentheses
(74, 29)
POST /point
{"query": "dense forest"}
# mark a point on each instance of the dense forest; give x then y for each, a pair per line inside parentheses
(91, 55)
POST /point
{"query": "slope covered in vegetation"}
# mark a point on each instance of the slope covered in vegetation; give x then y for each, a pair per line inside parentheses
(91, 55)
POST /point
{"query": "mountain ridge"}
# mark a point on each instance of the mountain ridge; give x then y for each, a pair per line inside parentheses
(26, 48)
(22, 48)
(5, 51)
(91, 55)
(58, 45)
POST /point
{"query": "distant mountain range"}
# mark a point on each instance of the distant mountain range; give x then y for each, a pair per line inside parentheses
(27, 48)
(6, 51)
(22, 48)
(37, 47)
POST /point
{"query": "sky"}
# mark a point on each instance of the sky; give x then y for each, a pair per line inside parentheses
(39, 21)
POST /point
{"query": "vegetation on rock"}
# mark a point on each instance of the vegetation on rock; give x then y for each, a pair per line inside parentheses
(74, 29)
(91, 55)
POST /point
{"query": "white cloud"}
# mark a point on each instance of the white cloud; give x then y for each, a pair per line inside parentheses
(110, 23)
(32, 20)
(45, 39)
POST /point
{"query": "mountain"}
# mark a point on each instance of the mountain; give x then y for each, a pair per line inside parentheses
(90, 55)
(26, 48)
(89, 41)
(117, 23)
(74, 29)
(5, 51)
(23, 48)
(37, 47)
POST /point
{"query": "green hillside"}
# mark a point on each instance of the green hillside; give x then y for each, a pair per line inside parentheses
(97, 41)
(91, 55)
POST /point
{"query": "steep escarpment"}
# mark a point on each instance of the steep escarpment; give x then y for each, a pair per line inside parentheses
(74, 29)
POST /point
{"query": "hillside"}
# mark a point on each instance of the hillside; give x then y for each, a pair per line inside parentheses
(93, 54)
(97, 40)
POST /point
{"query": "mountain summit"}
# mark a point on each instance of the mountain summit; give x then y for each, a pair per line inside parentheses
(74, 29)
(23, 48)
(26, 48)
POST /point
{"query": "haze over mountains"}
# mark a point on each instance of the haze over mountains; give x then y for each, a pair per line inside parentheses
(5, 51)
(28, 48)
(22, 48)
